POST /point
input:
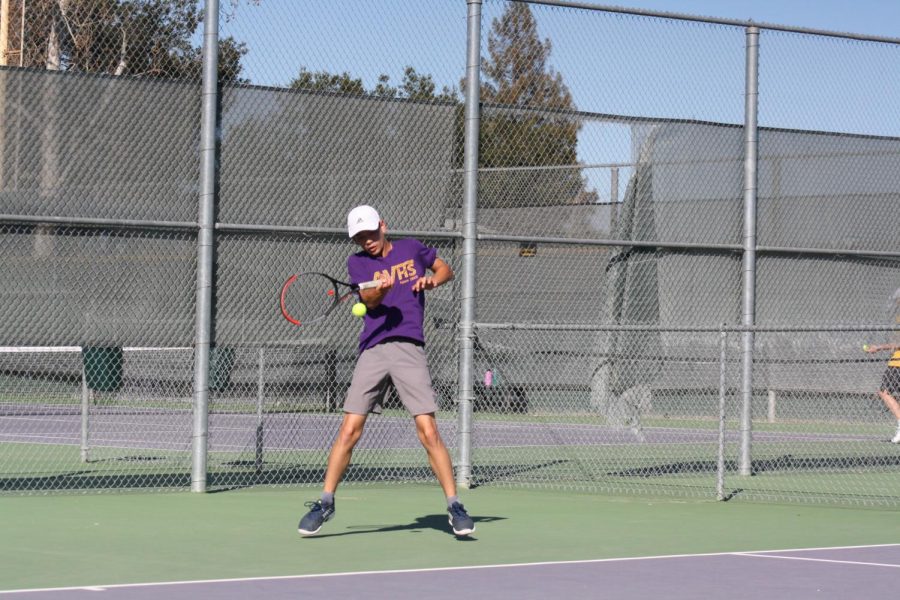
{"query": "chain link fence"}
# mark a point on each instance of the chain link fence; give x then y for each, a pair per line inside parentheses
(611, 333)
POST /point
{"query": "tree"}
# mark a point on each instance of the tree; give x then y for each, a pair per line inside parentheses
(149, 38)
(421, 87)
(527, 120)
(323, 81)
(413, 87)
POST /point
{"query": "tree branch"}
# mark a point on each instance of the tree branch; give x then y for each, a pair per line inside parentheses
(63, 6)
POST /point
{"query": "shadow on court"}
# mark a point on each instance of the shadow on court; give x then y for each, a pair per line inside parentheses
(779, 463)
(228, 480)
(437, 522)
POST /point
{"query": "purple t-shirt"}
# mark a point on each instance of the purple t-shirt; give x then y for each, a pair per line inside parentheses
(402, 313)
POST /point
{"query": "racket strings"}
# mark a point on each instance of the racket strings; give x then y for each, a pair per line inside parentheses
(308, 298)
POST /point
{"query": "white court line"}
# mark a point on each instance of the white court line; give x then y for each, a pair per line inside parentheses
(824, 560)
(430, 569)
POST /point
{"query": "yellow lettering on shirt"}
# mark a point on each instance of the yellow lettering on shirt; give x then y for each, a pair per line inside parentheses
(894, 360)
(399, 272)
(403, 272)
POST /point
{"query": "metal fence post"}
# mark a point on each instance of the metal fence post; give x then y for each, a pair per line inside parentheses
(720, 462)
(260, 401)
(203, 310)
(85, 416)
(613, 200)
(470, 205)
(748, 312)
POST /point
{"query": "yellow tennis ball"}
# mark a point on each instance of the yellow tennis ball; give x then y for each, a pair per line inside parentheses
(865, 347)
(358, 310)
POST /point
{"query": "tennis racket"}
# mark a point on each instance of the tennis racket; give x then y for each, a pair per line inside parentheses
(308, 298)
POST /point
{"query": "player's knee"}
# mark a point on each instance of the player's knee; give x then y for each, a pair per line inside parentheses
(349, 435)
(348, 439)
(430, 437)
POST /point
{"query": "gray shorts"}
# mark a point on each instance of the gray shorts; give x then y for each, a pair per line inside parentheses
(402, 363)
(890, 381)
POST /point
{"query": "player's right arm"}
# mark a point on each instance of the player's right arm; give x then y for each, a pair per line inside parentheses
(372, 297)
(880, 347)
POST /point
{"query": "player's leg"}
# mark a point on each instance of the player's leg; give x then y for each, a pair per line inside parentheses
(342, 450)
(891, 403)
(438, 456)
(442, 466)
(366, 394)
(409, 371)
(323, 509)
(890, 390)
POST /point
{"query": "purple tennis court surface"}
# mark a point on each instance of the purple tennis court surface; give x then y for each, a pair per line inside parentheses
(233, 432)
(820, 573)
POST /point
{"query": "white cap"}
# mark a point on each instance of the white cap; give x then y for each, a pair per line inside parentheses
(362, 218)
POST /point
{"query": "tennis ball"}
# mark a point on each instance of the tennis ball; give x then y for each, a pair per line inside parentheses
(865, 347)
(358, 310)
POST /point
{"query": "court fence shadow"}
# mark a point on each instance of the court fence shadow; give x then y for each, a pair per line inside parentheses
(786, 462)
(243, 476)
(236, 476)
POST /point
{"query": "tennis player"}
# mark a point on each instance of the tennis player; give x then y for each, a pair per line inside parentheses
(391, 350)
(890, 381)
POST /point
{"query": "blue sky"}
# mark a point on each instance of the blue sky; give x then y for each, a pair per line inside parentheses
(871, 17)
(263, 22)
(613, 64)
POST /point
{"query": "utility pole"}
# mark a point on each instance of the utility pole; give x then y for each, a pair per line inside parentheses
(4, 32)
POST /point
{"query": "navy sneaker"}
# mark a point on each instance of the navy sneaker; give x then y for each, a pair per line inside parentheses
(460, 520)
(312, 521)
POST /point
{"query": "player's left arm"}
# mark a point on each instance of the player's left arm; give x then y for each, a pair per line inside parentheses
(440, 274)
(880, 347)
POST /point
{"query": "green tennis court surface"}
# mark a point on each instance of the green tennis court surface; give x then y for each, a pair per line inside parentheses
(97, 540)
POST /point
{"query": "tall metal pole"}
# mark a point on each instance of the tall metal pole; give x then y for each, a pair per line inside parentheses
(4, 53)
(203, 309)
(4, 32)
(613, 200)
(470, 206)
(85, 416)
(260, 401)
(748, 313)
(720, 463)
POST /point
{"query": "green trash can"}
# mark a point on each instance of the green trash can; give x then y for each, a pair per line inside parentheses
(102, 367)
(221, 360)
